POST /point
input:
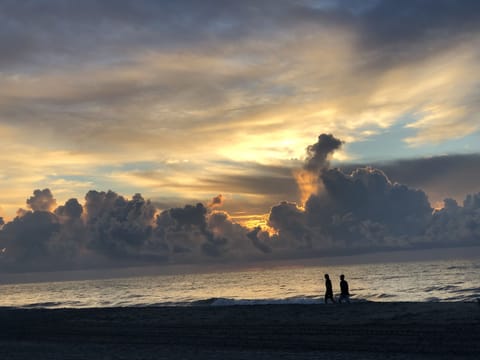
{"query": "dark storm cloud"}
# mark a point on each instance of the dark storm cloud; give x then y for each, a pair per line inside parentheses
(111, 230)
(439, 176)
(367, 195)
(361, 209)
(117, 226)
(107, 230)
(189, 216)
(318, 153)
(72, 209)
(413, 21)
(27, 239)
(125, 232)
(260, 239)
(187, 230)
(456, 224)
(291, 224)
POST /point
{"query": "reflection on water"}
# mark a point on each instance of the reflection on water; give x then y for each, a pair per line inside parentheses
(422, 281)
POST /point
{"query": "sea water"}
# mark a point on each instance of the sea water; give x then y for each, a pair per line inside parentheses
(453, 280)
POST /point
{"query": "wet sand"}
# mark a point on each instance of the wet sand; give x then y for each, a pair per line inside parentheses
(357, 330)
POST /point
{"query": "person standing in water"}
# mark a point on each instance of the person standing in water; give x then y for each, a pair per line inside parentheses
(328, 289)
(344, 294)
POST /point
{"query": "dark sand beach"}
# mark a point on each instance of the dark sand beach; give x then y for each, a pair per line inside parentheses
(357, 330)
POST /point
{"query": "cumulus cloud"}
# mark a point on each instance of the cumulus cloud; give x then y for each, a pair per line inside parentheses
(260, 239)
(318, 153)
(363, 199)
(440, 177)
(184, 229)
(42, 200)
(27, 240)
(117, 226)
(290, 222)
(71, 210)
(359, 210)
(316, 162)
(193, 231)
(356, 211)
(454, 224)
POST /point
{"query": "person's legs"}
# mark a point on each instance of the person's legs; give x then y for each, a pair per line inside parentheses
(329, 296)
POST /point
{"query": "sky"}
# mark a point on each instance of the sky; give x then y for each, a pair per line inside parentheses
(251, 129)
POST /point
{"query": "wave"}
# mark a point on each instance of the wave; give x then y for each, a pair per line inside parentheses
(442, 288)
(232, 302)
(226, 302)
(286, 301)
(53, 304)
(384, 296)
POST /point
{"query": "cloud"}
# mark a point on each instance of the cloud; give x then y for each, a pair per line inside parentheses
(71, 210)
(260, 239)
(319, 153)
(354, 212)
(439, 176)
(456, 224)
(363, 209)
(217, 201)
(118, 227)
(42, 200)
(290, 222)
(192, 232)
(363, 198)
(27, 240)
(317, 161)
(172, 75)
(384, 23)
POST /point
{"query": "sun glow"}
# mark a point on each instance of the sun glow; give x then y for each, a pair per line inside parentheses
(255, 221)
(307, 184)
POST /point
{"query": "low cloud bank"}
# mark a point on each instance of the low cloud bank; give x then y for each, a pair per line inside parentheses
(342, 212)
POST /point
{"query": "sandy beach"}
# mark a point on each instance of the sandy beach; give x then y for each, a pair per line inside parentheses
(357, 330)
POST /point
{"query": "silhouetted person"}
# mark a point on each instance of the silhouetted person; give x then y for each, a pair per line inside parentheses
(328, 289)
(344, 294)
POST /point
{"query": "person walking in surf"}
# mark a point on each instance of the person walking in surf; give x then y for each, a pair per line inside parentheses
(328, 289)
(344, 294)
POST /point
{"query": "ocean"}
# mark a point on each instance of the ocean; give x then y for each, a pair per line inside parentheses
(426, 281)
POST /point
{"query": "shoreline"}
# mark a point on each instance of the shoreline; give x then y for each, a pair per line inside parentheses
(372, 329)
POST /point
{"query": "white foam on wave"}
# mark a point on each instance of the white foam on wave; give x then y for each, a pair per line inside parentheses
(232, 302)
(243, 302)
